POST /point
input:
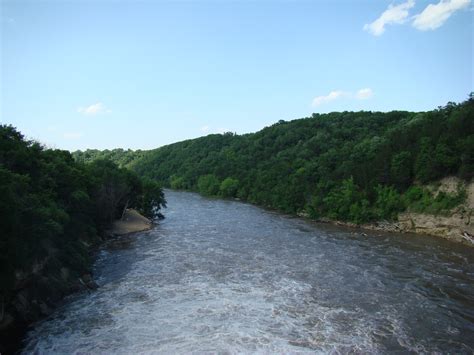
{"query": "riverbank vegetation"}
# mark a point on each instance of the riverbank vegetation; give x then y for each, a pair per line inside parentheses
(349, 166)
(52, 209)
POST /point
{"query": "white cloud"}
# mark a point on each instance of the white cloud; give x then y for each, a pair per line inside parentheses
(364, 94)
(204, 129)
(72, 135)
(393, 15)
(94, 109)
(333, 95)
(434, 16)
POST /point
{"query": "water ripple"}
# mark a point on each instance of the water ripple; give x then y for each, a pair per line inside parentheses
(225, 277)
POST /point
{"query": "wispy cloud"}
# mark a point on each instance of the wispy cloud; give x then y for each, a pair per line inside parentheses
(333, 95)
(431, 18)
(362, 94)
(435, 15)
(72, 135)
(395, 14)
(94, 109)
(204, 129)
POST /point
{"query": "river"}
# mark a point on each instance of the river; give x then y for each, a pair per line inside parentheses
(227, 277)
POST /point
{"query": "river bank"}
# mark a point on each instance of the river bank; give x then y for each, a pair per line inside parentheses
(456, 225)
(456, 228)
(40, 291)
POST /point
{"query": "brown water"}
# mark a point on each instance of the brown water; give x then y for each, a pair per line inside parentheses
(227, 277)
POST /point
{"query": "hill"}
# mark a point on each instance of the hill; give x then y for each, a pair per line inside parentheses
(347, 166)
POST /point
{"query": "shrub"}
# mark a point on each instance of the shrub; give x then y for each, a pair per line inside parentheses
(208, 185)
(229, 187)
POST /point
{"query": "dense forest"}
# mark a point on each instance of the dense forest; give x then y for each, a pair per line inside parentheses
(52, 210)
(350, 166)
(123, 158)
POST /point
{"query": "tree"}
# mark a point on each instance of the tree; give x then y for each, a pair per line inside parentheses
(152, 199)
(208, 185)
(229, 187)
(388, 203)
(401, 170)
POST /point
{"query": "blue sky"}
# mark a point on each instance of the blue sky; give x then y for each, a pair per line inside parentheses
(141, 74)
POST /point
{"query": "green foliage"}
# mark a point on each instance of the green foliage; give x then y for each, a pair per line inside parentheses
(52, 206)
(122, 158)
(388, 203)
(151, 199)
(208, 185)
(401, 169)
(177, 182)
(346, 202)
(354, 166)
(229, 187)
(420, 199)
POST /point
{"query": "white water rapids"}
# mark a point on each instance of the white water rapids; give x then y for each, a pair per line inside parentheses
(227, 277)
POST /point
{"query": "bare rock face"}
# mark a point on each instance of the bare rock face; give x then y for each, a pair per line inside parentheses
(458, 225)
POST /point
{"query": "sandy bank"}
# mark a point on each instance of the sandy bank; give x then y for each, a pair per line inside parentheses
(131, 222)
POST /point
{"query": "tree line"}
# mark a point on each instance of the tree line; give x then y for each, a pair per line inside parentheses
(350, 166)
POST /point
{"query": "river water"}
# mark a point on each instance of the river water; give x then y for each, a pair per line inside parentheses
(227, 277)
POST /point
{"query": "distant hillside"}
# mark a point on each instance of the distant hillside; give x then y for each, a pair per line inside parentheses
(123, 158)
(349, 166)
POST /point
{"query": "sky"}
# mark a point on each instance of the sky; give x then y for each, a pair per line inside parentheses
(78, 74)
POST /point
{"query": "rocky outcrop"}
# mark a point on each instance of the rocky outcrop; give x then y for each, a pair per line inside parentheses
(456, 225)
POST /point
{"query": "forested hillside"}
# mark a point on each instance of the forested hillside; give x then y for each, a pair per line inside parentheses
(350, 166)
(52, 209)
(123, 158)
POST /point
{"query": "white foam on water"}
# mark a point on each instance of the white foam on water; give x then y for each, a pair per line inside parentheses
(223, 277)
